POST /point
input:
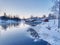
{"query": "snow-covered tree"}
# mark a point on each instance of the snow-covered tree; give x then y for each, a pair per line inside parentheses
(56, 10)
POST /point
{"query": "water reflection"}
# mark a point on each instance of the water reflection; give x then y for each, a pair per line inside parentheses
(5, 24)
(17, 34)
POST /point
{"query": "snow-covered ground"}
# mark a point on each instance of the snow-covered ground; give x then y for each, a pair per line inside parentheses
(49, 32)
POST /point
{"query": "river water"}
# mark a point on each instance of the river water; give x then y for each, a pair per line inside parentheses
(17, 35)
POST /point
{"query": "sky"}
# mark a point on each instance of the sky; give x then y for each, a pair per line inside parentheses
(26, 8)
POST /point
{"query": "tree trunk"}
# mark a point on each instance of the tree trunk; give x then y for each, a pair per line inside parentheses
(59, 16)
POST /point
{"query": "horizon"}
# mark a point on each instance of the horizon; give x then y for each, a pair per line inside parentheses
(26, 8)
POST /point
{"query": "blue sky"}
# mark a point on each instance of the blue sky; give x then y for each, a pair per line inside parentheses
(26, 7)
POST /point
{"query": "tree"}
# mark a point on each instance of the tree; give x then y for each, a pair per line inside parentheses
(44, 16)
(56, 11)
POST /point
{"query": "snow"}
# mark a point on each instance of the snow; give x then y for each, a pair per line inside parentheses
(49, 32)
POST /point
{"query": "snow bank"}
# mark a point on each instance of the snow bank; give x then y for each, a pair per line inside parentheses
(49, 32)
